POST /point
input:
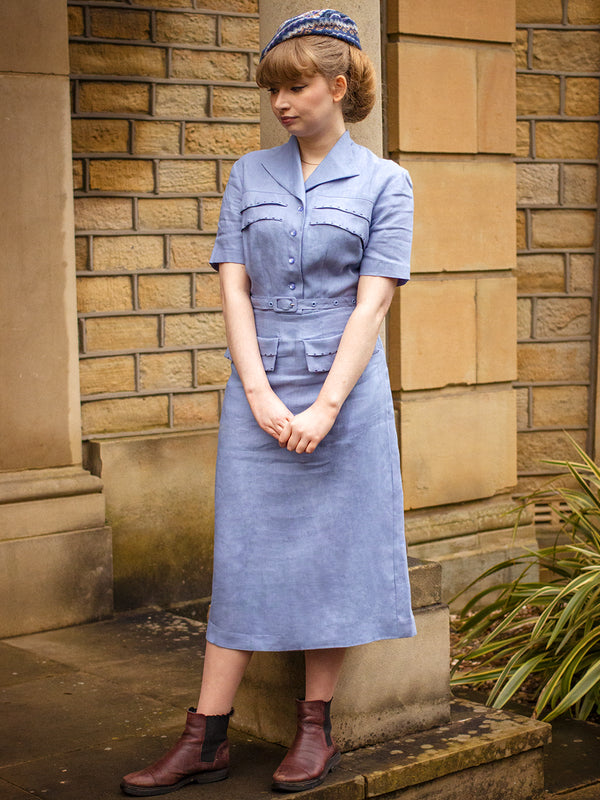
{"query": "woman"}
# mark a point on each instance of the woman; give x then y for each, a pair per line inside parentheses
(313, 238)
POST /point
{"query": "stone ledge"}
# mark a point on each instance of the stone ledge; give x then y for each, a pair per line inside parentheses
(41, 484)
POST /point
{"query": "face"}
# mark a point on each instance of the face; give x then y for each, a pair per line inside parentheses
(310, 106)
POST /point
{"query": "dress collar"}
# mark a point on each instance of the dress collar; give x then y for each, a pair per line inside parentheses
(283, 164)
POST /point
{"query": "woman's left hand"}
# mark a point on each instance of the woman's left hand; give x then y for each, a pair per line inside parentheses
(306, 430)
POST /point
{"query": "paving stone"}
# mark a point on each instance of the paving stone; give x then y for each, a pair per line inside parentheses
(572, 757)
(19, 666)
(10, 792)
(586, 793)
(65, 712)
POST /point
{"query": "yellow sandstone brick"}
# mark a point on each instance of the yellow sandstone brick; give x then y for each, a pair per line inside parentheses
(211, 207)
(582, 97)
(537, 184)
(566, 51)
(128, 252)
(75, 21)
(553, 361)
(182, 101)
(496, 108)
(522, 408)
(121, 333)
(171, 213)
(535, 447)
(192, 329)
(77, 174)
(121, 175)
(581, 273)
(560, 405)
(539, 11)
(103, 213)
(239, 32)
(541, 273)
(210, 65)
(164, 291)
(521, 48)
(191, 252)
(226, 167)
(212, 367)
(117, 23)
(461, 19)
(233, 102)
(186, 28)
(104, 294)
(156, 138)
(583, 12)
(241, 6)
(580, 183)
(81, 253)
(521, 230)
(523, 139)
(117, 59)
(127, 414)
(187, 176)
(200, 408)
(566, 139)
(98, 375)
(100, 135)
(496, 329)
(538, 94)
(117, 98)
(524, 318)
(208, 293)
(166, 371)
(209, 138)
(563, 228)
(565, 316)
(167, 3)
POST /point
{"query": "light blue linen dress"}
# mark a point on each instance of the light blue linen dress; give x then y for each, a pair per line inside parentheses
(309, 549)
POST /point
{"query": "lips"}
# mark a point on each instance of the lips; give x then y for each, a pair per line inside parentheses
(286, 120)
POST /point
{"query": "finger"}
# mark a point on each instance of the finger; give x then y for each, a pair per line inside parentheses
(293, 440)
(285, 434)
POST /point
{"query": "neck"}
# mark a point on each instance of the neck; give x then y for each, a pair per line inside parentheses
(313, 149)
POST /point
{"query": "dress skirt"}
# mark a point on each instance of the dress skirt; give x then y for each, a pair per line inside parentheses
(309, 548)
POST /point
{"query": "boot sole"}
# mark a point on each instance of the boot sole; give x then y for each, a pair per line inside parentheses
(300, 786)
(151, 791)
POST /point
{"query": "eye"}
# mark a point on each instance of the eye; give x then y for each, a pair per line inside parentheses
(298, 88)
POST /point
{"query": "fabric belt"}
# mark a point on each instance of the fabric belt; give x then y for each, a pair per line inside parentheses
(291, 305)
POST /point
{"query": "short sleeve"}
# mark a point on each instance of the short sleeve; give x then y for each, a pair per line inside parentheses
(228, 244)
(387, 253)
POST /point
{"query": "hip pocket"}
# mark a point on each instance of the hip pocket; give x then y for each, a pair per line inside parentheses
(321, 351)
(267, 346)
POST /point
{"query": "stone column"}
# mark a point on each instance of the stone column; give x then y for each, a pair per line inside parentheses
(386, 688)
(55, 551)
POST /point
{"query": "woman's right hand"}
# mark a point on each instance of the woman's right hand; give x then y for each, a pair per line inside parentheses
(269, 411)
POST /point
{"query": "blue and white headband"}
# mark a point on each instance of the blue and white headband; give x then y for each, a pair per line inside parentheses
(322, 22)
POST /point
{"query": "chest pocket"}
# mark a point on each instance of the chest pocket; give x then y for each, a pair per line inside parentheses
(257, 206)
(348, 213)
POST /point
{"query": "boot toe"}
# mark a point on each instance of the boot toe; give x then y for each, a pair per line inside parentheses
(143, 779)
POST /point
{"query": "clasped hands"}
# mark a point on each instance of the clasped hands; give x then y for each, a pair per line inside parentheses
(302, 432)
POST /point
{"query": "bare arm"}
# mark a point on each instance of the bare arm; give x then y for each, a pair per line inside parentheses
(269, 411)
(304, 432)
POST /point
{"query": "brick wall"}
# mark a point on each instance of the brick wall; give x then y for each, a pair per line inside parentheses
(558, 81)
(163, 103)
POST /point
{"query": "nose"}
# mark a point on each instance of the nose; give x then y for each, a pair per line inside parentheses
(279, 100)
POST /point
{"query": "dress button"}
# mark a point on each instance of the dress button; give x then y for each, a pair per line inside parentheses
(300, 209)
(291, 260)
(292, 285)
(293, 233)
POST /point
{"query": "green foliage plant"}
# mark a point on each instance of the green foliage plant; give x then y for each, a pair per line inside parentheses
(545, 631)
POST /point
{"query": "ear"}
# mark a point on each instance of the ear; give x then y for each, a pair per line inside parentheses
(339, 87)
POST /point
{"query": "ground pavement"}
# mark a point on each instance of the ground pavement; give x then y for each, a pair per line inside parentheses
(81, 706)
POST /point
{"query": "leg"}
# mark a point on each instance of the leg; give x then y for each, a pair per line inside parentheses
(323, 669)
(314, 753)
(223, 671)
(202, 753)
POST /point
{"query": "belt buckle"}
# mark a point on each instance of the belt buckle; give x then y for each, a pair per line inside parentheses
(286, 304)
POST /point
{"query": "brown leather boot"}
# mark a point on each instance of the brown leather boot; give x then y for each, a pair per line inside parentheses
(201, 755)
(313, 754)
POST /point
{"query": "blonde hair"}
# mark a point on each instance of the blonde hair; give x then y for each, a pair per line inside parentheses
(329, 57)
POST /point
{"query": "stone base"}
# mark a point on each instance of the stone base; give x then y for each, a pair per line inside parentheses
(410, 693)
(55, 550)
(467, 539)
(159, 503)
